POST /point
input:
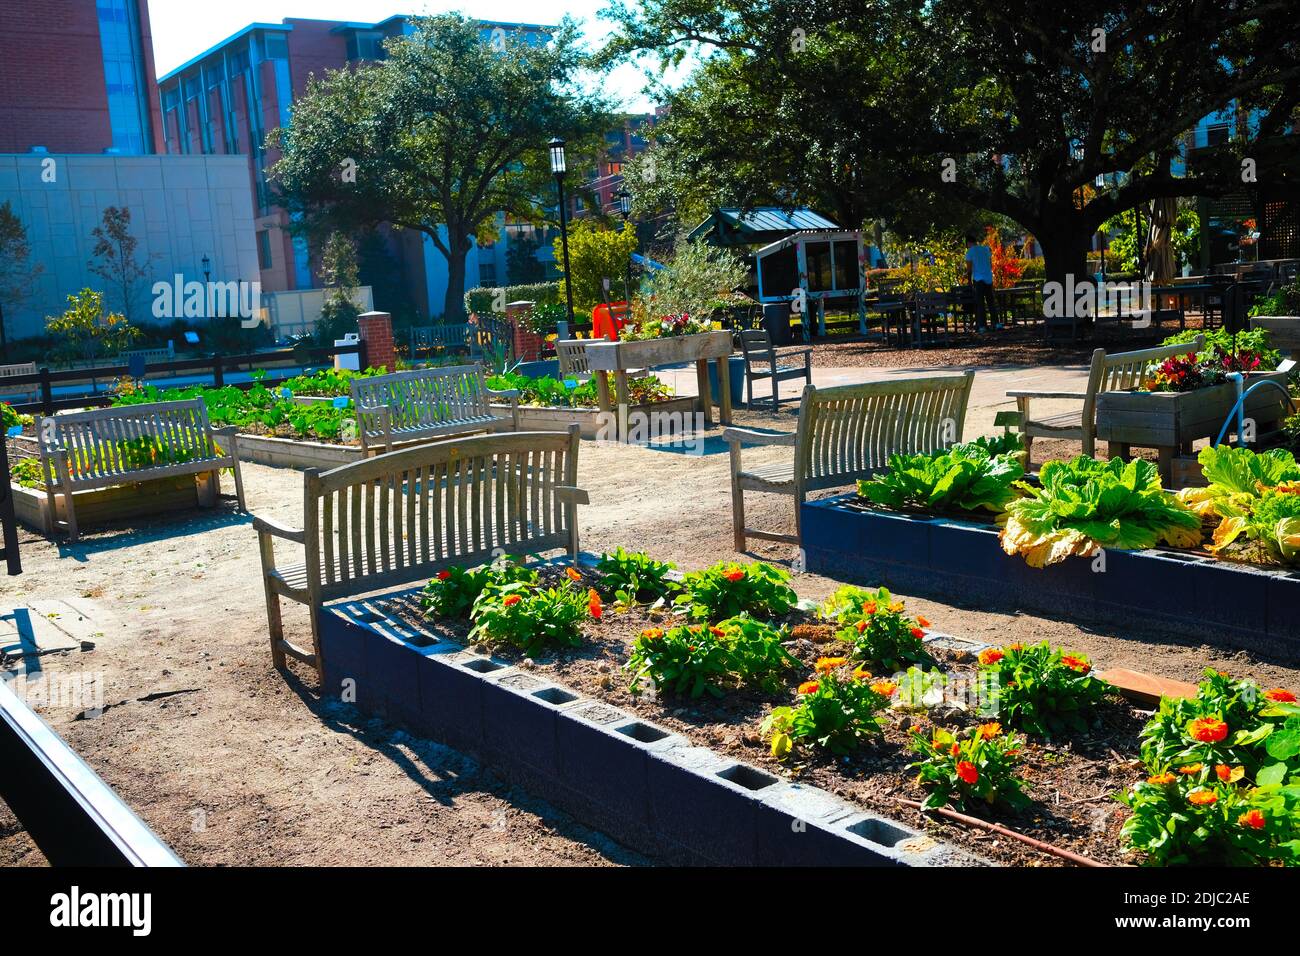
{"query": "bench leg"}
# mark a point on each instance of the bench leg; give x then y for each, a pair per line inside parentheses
(274, 624)
(239, 486)
(737, 501)
(315, 607)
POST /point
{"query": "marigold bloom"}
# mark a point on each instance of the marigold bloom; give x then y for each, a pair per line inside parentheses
(869, 607)
(954, 750)
(717, 631)
(860, 674)
(988, 731)
(861, 626)
(1229, 774)
(1280, 696)
(594, 606)
(1076, 663)
(896, 607)
(967, 771)
(924, 622)
(1253, 819)
(885, 688)
(991, 655)
(511, 600)
(1207, 730)
(825, 665)
(573, 574)
(1191, 768)
(918, 633)
(652, 633)
(734, 574)
(1202, 798)
(1162, 779)
(443, 575)
(808, 687)
(1017, 646)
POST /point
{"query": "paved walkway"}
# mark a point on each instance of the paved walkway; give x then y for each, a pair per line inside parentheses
(988, 395)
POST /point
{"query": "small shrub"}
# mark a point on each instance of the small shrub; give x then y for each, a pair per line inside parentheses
(532, 618)
(454, 590)
(1040, 689)
(632, 576)
(875, 624)
(979, 766)
(728, 589)
(696, 658)
(837, 710)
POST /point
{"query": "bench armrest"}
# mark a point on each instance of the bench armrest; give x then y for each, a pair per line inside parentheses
(571, 495)
(272, 527)
(791, 352)
(1030, 394)
(734, 436)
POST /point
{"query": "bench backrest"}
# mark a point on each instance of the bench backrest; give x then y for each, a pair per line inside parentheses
(446, 336)
(151, 355)
(849, 431)
(1127, 370)
(572, 354)
(127, 439)
(23, 368)
(756, 346)
(426, 397)
(397, 517)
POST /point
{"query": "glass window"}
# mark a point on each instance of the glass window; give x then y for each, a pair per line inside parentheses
(276, 46)
(818, 257)
(264, 260)
(128, 111)
(846, 265)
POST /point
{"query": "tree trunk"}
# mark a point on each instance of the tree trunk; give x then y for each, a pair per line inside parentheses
(453, 307)
(1064, 239)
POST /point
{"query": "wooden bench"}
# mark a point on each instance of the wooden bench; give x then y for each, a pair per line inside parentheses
(846, 433)
(458, 336)
(756, 346)
(1124, 370)
(399, 518)
(427, 403)
(81, 451)
(572, 355)
(13, 371)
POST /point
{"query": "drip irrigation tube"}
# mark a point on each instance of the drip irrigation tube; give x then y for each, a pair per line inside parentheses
(1076, 858)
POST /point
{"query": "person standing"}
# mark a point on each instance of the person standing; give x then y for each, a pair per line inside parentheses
(979, 273)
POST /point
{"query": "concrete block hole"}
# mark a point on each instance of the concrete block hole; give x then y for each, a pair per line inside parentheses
(747, 777)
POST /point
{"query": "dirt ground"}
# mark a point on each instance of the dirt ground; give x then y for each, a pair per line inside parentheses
(239, 764)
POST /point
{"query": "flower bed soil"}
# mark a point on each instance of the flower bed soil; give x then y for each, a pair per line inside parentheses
(1071, 782)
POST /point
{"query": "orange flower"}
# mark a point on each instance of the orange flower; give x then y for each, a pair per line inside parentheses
(1280, 696)
(1190, 769)
(734, 574)
(896, 607)
(885, 688)
(860, 674)
(825, 665)
(443, 575)
(918, 633)
(988, 731)
(966, 770)
(1253, 819)
(511, 600)
(652, 633)
(573, 574)
(1162, 779)
(1229, 774)
(1208, 730)
(861, 626)
(1017, 646)
(594, 606)
(717, 631)
(1202, 798)
(954, 750)
(869, 607)
(1076, 663)
(808, 687)
(991, 655)
(924, 622)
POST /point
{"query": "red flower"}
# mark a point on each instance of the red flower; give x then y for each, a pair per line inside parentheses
(1253, 819)
(966, 770)
(1207, 730)
(1076, 663)
(918, 633)
(511, 600)
(990, 655)
(443, 575)
(808, 687)
(1280, 696)
(734, 574)
(593, 603)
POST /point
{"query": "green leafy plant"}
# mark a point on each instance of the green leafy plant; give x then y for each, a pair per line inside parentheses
(837, 710)
(549, 392)
(1084, 504)
(1253, 498)
(728, 589)
(1040, 689)
(694, 659)
(1220, 344)
(9, 418)
(875, 624)
(632, 576)
(964, 478)
(978, 767)
(27, 473)
(453, 591)
(919, 689)
(327, 382)
(529, 617)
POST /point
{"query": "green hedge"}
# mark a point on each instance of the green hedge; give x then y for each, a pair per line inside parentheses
(481, 300)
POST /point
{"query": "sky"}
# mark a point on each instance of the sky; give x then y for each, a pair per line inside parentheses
(182, 28)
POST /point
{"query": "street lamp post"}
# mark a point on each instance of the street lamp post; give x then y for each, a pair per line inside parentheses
(625, 207)
(558, 169)
(207, 268)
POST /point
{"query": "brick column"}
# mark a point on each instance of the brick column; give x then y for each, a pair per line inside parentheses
(528, 344)
(377, 332)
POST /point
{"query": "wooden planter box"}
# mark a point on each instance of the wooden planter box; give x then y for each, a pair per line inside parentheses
(291, 453)
(552, 418)
(647, 353)
(1221, 602)
(103, 505)
(1171, 419)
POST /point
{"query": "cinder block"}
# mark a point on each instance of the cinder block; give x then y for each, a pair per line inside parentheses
(603, 767)
(343, 647)
(793, 826)
(519, 726)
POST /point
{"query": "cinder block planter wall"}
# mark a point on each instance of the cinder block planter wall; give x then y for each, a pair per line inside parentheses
(1228, 604)
(642, 784)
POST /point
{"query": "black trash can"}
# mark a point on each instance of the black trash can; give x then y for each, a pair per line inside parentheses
(776, 320)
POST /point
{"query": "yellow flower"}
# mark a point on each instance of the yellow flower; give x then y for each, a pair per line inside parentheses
(988, 731)
(825, 665)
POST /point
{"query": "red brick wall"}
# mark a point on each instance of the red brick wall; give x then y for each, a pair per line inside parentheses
(52, 90)
(376, 330)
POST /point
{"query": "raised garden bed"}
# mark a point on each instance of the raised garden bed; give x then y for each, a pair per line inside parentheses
(590, 420)
(1175, 419)
(1225, 603)
(103, 505)
(294, 453)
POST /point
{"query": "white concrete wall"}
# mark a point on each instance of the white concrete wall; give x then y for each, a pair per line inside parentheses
(182, 208)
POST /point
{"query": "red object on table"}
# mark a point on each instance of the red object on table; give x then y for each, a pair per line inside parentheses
(608, 320)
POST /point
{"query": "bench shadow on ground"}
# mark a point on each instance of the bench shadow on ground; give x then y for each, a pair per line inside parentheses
(111, 536)
(446, 774)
